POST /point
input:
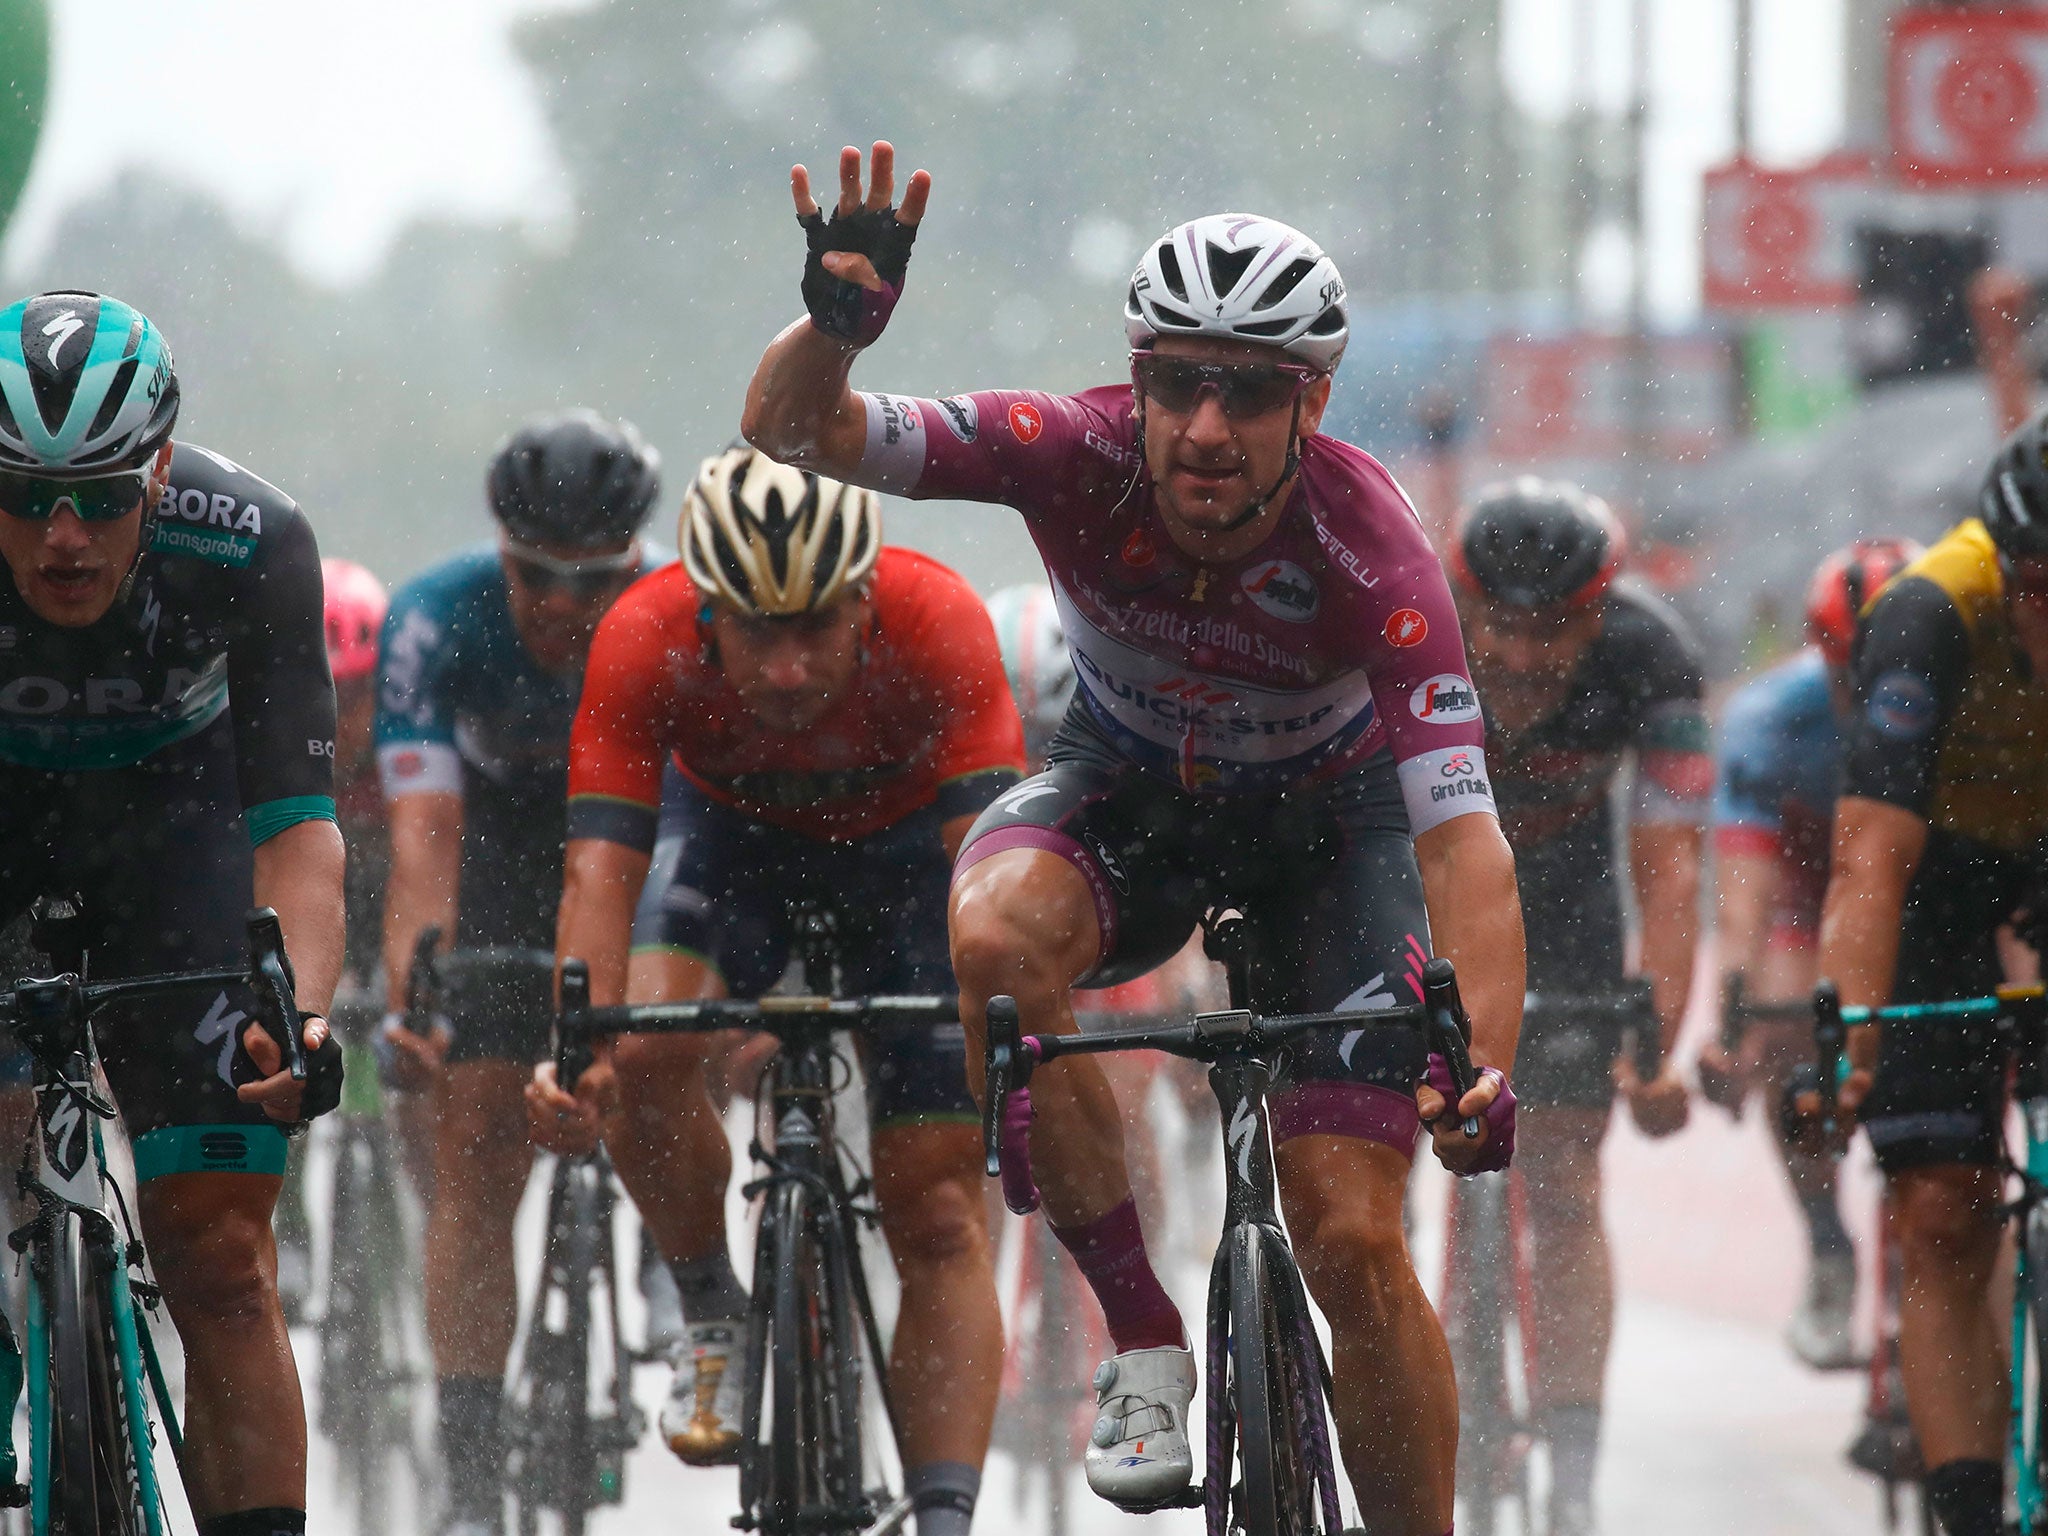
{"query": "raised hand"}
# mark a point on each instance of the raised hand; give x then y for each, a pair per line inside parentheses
(856, 260)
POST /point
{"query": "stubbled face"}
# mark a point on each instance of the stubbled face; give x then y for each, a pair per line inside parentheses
(1523, 662)
(1207, 468)
(790, 671)
(70, 571)
(557, 618)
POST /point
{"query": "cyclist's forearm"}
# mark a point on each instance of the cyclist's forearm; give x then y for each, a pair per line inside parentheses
(426, 878)
(1875, 851)
(299, 874)
(1475, 921)
(1665, 860)
(600, 888)
(801, 409)
(1747, 895)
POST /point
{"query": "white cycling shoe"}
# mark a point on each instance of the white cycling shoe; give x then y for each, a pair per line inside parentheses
(1138, 1456)
(701, 1419)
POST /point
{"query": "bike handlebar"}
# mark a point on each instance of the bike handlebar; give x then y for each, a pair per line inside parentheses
(1632, 1007)
(1010, 1057)
(578, 1024)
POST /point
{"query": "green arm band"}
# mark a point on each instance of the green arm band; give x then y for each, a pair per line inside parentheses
(273, 816)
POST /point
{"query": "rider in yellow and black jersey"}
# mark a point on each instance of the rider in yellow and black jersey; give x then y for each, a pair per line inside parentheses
(1937, 841)
(1955, 722)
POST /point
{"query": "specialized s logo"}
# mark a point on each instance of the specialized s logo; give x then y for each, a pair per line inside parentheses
(63, 328)
(1406, 627)
(1025, 422)
(64, 1132)
(963, 419)
(1446, 699)
(1283, 589)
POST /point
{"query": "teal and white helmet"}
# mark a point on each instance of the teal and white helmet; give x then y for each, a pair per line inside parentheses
(86, 386)
(1034, 646)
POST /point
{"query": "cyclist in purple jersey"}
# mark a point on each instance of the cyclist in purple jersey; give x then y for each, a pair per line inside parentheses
(1274, 708)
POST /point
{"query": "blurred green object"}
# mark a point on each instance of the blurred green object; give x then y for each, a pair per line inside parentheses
(24, 85)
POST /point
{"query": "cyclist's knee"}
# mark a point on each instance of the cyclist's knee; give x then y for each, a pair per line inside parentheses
(212, 1259)
(1017, 928)
(1946, 1216)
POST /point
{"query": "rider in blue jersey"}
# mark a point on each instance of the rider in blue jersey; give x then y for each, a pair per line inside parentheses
(1779, 772)
(481, 668)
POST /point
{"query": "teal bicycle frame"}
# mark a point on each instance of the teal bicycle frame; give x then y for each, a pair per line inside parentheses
(83, 1194)
(2019, 1017)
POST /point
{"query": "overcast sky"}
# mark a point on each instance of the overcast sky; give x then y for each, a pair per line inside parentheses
(327, 128)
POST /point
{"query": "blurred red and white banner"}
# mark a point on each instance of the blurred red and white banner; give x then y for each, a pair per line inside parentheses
(1567, 397)
(1783, 239)
(1969, 95)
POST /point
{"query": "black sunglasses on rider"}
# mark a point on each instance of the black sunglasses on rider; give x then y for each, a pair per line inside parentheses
(1244, 390)
(586, 576)
(101, 499)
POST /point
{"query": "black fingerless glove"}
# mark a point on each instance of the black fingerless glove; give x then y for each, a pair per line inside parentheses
(846, 310)
(322, 1088)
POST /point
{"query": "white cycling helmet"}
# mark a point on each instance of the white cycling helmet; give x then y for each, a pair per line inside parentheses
(1034, 646)
(1243, 278)
(773, 539)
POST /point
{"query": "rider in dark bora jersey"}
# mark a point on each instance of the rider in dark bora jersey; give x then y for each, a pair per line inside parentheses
(166, 753)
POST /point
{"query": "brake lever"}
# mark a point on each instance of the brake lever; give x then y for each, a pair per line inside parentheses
(1830, 1038)
(270, 975)
(1452, 1030)
(574, 1054)
(1000, 1052)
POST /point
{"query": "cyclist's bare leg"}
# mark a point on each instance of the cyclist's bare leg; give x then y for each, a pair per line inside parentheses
(481, 1159)
(245, 1421)
(1950, 1349)
(668, 1142)
(1558, 1152)
(947, 1355)
(1396, 1401)
(1023, 923)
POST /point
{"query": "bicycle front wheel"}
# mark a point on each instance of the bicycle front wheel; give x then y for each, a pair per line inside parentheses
(1277, 1391)
(813, 1422)
(93, 1480)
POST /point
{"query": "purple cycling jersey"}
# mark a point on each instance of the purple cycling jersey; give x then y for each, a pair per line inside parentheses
(1333, 639)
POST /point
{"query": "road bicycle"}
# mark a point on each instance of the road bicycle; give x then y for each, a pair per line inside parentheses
(2014, 1022)
(807, 1461)
(372, 1325)
(562, 1454)
(1489, 1309)
(99, 1404)
(1271, 1466)
(1885, 1445)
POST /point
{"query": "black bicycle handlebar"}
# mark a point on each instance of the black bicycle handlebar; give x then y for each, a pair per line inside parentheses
(1008, 1062)
(1632, 1007)
(578, 1025)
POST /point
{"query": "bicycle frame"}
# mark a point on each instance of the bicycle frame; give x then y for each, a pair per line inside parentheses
(805, 1152)
(1242, 1050)
(2018, 1016)
(69, 1179)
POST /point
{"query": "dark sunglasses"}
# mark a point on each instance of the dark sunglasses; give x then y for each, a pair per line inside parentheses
(1243, 390)
(102, 499)
(590, 576)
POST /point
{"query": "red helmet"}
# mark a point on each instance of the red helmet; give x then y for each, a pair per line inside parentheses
(356, 603)
(1845, 583)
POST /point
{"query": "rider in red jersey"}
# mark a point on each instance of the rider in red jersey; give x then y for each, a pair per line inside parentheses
(1274, 710)
(832, 717)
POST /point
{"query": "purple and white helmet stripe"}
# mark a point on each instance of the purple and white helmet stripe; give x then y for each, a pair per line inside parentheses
(1242, 278)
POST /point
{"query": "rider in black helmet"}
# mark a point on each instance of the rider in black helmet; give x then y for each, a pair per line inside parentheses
(1587, 679)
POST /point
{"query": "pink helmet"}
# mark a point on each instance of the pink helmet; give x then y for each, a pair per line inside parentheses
(356, 603)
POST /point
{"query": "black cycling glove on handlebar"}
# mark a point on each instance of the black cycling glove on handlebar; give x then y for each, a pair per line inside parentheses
(846, 310)
(321, 1091)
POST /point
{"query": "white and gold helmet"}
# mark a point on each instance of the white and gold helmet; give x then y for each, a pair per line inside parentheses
(772, 539)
